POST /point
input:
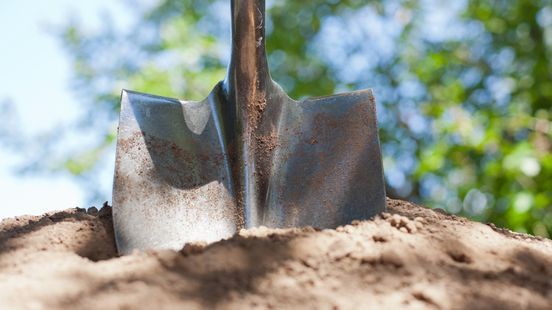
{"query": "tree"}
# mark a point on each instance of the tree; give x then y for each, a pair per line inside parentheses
(463, 89)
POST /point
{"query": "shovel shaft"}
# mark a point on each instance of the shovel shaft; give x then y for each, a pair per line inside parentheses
(248, 73)
(248, 38)
(245, 89)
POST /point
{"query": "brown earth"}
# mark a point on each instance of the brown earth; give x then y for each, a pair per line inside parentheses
(410, 258)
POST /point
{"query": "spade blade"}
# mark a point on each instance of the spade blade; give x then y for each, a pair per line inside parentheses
(172, 181)
(247, 155)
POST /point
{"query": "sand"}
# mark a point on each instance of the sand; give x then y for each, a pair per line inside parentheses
(411, 257)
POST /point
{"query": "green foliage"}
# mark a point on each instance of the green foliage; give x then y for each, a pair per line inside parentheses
(464, 114)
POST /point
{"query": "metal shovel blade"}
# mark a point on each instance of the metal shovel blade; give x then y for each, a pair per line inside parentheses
(172, 181)
(247, 155)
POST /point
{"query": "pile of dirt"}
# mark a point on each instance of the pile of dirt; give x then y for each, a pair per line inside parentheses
(411, 257)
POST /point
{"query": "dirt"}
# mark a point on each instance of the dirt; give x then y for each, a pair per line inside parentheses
(255, 109)
(411, 257)
(264, 150)
(266, 144)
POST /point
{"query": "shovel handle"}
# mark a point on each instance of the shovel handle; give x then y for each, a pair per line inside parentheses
(248, 70)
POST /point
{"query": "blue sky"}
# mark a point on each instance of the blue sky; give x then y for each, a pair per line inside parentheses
(34, 75)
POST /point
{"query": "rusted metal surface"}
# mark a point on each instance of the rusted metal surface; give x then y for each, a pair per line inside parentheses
(245, 156)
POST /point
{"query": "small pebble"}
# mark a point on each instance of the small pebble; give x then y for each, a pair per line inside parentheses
(411, 227)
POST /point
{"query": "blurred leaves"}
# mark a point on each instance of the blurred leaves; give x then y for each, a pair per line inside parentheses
(464, 89)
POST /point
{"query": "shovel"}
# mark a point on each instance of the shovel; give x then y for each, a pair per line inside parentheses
(247, 155)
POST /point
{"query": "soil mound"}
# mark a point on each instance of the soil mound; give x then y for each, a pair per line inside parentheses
(411, 257)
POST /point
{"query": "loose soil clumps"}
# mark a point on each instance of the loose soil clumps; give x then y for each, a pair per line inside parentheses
(411, 257)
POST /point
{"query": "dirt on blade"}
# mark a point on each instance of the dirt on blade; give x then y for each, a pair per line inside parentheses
(411, 257)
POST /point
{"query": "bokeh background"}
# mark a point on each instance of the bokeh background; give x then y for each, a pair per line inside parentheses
(464, 91)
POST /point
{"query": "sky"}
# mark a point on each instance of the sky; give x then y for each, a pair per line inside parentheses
(34, 76)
